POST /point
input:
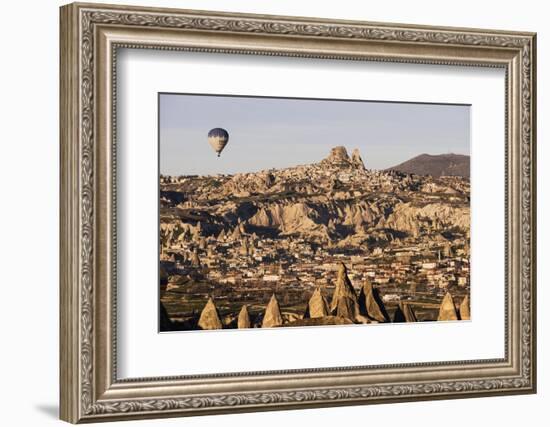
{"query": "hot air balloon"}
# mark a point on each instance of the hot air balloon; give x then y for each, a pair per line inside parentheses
(218, 138)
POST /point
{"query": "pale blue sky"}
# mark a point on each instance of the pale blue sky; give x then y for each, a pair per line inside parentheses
(269, 133)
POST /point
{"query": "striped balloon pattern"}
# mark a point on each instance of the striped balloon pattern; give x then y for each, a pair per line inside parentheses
(218, 138)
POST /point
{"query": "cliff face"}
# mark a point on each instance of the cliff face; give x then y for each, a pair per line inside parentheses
(413, 219)
(336, 200)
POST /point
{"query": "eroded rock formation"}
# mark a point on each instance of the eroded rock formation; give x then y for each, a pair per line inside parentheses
(272, 315)
(447, 309)
(371, 305)
(465, 308)
(210, 318)
(343, 289)
(244, 318)
(317, 305)
(356, 159)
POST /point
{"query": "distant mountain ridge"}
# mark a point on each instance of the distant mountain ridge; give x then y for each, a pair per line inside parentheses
(436, 165)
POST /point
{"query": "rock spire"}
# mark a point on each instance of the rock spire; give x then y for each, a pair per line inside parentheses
(244, 318)
(356, 159)
(347, 308)
(447, 309)
(210, 318)
(317, 305)
(465, 308)
(343, 288)
(272, 315)
(371, 305)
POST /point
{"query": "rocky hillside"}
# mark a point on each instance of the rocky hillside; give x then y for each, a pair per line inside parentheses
(436, 166)
(334, 202)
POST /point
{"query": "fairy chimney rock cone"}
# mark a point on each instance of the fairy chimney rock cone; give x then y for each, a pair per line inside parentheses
(465, 308)
(346, 308)
(343, 288)
(317, 305)
(447, 310)
(272, 315)
(243, 321)
(210, 318)
(371, 305)
(244, 318)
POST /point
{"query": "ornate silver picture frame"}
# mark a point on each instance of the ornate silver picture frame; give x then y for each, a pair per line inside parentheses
(91, 36)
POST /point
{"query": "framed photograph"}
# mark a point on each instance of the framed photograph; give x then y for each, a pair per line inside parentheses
(266, 212)
(259, 238)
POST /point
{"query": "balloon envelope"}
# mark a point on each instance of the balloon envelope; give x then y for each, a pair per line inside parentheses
(218, 138)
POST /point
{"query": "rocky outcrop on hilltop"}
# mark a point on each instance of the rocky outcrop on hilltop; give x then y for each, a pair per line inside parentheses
(338, 156)
(335, 200)
(356, 159)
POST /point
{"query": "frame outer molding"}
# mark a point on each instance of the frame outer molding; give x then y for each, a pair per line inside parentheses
(69, 219)
(89, 388)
